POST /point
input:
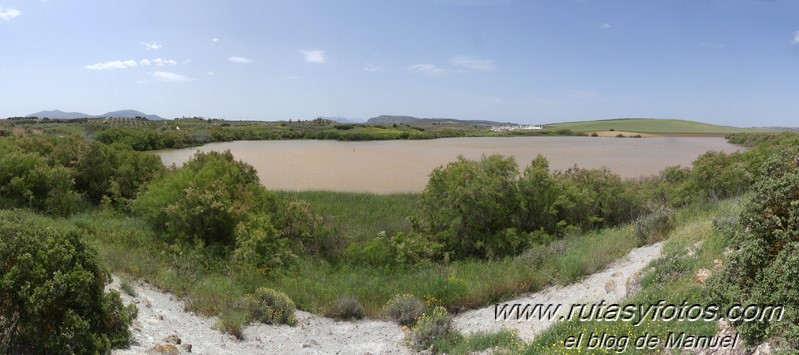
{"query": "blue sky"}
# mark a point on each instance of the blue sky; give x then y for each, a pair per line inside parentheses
(535, 61)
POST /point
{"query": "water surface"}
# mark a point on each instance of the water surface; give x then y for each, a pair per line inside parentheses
(404, 165)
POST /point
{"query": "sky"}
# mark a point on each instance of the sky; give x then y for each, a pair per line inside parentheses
(733, 62)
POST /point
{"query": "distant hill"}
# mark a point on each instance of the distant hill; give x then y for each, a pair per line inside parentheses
(58, 114)
(383, 119)
(649, 125)
(131, 113)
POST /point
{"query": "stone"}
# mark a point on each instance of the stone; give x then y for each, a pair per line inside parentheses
(702, 275)
(174, 339)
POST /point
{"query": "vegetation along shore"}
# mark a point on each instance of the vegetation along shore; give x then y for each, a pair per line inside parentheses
(79, 201)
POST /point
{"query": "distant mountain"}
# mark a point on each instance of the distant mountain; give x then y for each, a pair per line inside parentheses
(58, 114)
(343, 119)
(131, 113)
(383, 119)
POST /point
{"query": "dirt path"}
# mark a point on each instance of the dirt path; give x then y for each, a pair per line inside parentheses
(609, 285)
(161, 315)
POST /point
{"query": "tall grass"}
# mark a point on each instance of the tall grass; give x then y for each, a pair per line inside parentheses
(360, 216)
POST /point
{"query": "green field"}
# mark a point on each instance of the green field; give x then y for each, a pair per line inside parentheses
(650, 125)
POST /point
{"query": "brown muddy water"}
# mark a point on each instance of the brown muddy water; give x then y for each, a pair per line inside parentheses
(404, 166)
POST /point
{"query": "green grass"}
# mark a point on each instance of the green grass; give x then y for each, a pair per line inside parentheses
(506, 340)
(649, 125)
(360, 216)
(693, 245)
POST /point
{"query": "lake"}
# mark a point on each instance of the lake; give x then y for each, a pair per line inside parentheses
(404, 165)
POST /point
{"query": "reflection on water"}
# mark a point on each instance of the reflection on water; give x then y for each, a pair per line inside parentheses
(404, 166)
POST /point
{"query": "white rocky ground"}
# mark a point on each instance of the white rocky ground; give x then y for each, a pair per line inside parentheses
(161, 316)
(610, 285)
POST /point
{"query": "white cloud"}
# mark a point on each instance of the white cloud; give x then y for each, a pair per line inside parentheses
(314, 56)
(214, 39)
(605, 26)
(168, 77)
(210, 73)
(152, 45)
(162, 62)
(130, 63)
(293, 77)
(117, 64)
(429, 69)
(240, 60)
(374, 68)
(796, 38)
(7, 14)
(472, 63)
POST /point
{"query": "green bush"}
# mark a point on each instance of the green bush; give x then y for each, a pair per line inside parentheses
(483, 209)
(404, 309)
(468, 203)
(203, 202)
(717, 175)
(538, 191)
(52, 284)
(376, 252)
(259, 245)
(218, 203)
(431, 326)
(346, 307)
(765, 252)
(26, 180)
(654, 226)
(271, 307)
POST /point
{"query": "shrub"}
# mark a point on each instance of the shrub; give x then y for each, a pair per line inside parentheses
(52, 284)
(436, 324)
(205, 200)
(414, 247)
(762, 266)
(346, 307)
(466, 204)
(217, 202)
(376, 252)
(271, 307)
(717, 175)
(127, 287)
(26, 180)
(259, 245)
(232, 322)
(404, 309)
(538, 192)
(654, 226)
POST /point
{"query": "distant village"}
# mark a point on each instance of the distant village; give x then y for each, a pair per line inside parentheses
(513, 127)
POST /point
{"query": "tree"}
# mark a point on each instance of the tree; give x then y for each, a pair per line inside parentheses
(468, 205)
(52, 297)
